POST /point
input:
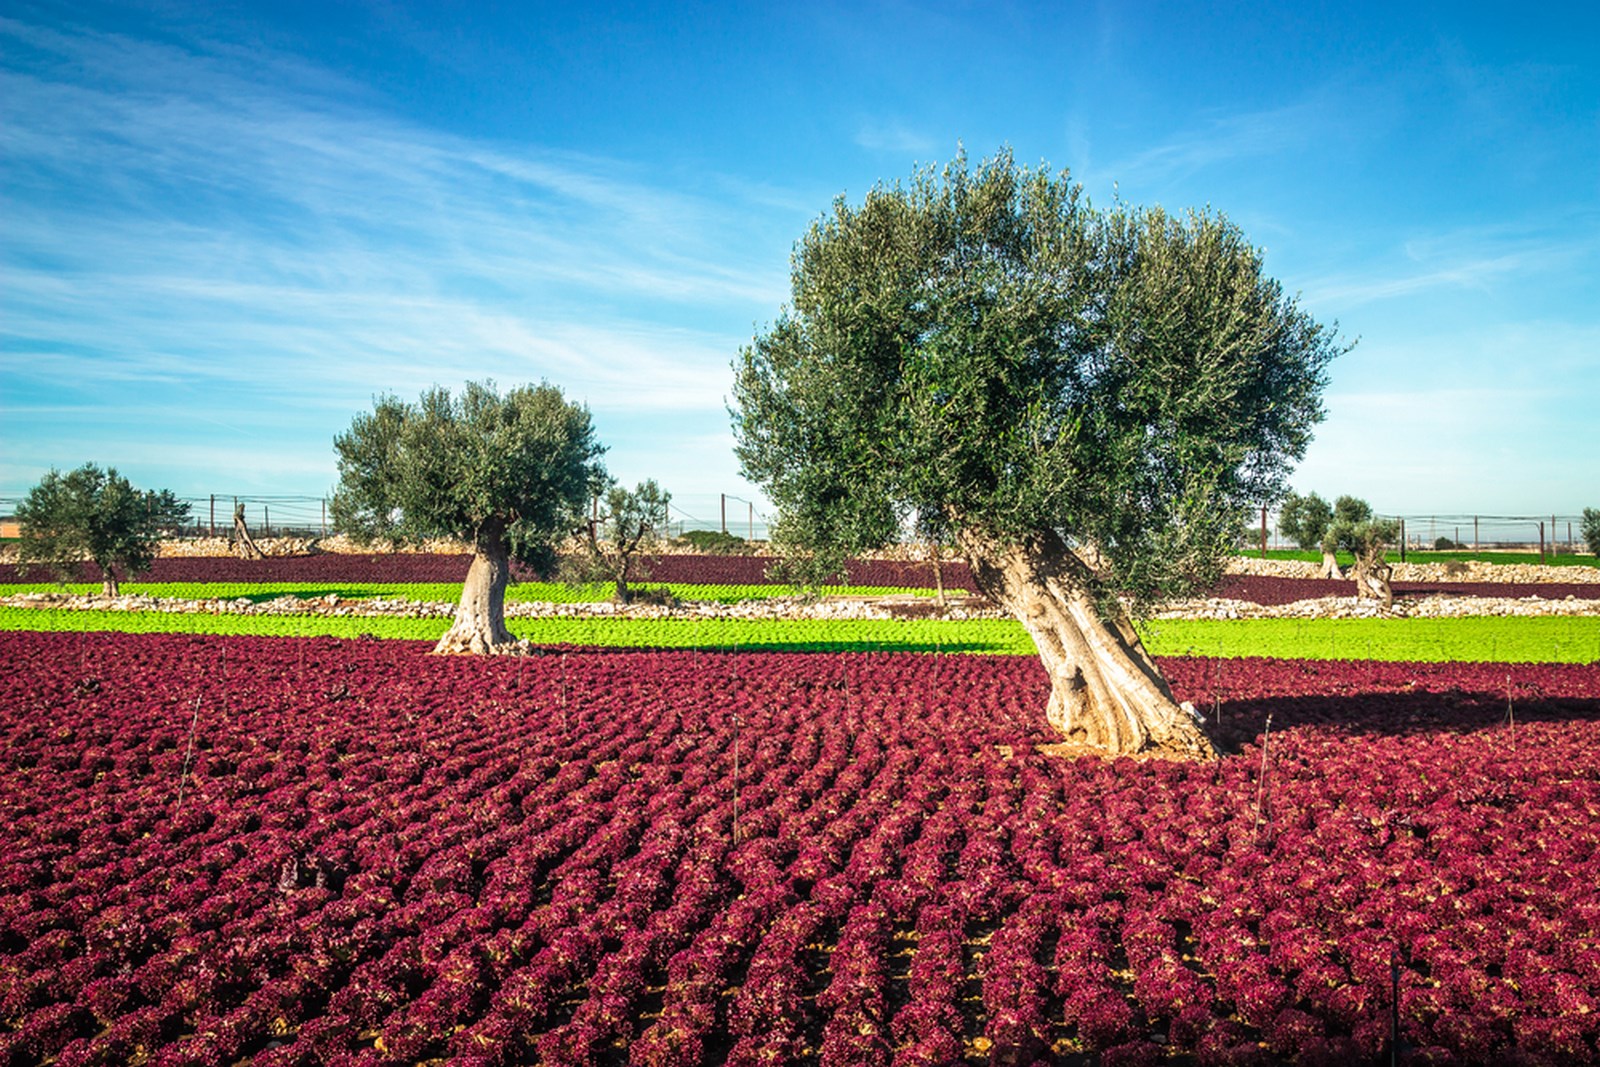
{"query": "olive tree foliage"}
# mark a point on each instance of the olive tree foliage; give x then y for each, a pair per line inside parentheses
(167, 511)
(1591, 530)
(95, 515)
(618, 543)
(1305, 521)
(1086, 402)
(507, 474)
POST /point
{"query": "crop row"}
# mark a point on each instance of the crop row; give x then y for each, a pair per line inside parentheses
(1469, 639)
(717, 577)
(447, 592)
(335, 852)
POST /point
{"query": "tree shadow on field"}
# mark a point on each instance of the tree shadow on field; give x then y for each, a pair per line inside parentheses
(1390, 714)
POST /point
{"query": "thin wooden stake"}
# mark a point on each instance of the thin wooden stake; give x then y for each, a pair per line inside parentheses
(1261, 778)
(736, 778)
(1216, 688)
(1511, 716)
(188, 754)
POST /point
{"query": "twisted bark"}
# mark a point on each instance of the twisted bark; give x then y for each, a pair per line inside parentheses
(243, 544)
(1371, 573)
(1105, 691)
(479, 627)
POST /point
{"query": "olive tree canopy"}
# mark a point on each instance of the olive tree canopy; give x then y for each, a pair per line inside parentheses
(507, 474)
(1305, 521)
(1086, 402)
(1591, 530)
(95, 515)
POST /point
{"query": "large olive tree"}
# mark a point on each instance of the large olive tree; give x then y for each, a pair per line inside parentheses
(1085, 401)
(94, 515)
(507, 474)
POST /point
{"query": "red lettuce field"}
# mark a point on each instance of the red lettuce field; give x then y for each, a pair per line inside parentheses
(280, 851)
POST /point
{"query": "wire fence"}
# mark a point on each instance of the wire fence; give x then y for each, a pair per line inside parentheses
(1555, 532)
(308, 516)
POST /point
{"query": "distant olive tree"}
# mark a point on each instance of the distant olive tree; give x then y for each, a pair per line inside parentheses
(1356, 530)
(715, 542)
(617, 545)
(94, 515)
(509, 475)
(1305, 521)
(1591, 530)
(169, 513)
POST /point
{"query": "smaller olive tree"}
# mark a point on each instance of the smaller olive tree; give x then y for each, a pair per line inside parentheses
(508, 474)
(169, 514)
(1305, 521)
(94, 515)
(1356, 530)
(1591, 530)
(617, 544)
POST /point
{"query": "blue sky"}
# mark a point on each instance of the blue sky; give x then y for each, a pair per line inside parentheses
(224, 227)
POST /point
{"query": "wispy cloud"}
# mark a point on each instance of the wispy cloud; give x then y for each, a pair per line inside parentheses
(1224, 138)
(1462, 259)
(879, 135)
(184, 216)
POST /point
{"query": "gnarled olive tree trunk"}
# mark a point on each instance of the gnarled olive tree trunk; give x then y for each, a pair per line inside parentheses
(1105, 691)
(243, 543)
(1330, 566)
(480, 623)
(108, 581)
(1371, 573)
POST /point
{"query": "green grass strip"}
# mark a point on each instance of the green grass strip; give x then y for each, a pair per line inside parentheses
(799, 635)
(1474, 639)
(445, 592)
(1529, 640)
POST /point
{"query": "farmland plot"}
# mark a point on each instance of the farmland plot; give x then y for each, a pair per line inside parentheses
(309, 850)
